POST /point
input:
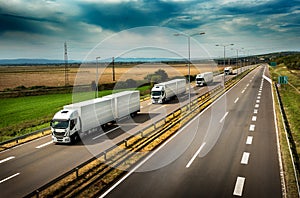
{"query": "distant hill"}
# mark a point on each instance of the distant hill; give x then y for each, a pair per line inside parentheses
(24, 61)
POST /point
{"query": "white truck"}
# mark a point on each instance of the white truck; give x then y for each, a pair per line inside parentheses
(164, 91)
(204, 78)
(77, 119)
(228, 70)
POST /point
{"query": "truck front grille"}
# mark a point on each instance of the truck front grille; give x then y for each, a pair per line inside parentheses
(58, 134)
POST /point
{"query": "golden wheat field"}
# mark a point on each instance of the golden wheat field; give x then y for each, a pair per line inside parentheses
(28, 76)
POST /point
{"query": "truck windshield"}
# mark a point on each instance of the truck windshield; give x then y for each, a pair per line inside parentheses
(60, 124)
(200, 79)
(156, 93)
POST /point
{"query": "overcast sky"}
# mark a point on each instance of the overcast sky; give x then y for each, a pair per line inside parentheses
(145, 28)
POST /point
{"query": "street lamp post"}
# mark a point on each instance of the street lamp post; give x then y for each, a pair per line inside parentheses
(224, 46)
(237, 58)
(189, 59)
(97, 77)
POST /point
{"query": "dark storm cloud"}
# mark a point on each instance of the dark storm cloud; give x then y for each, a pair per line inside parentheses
(133, 14)
(22, 23)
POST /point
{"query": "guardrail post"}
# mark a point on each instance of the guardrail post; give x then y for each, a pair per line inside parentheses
(77, 175)
(37, 193)
(104, 153)
(125, 142)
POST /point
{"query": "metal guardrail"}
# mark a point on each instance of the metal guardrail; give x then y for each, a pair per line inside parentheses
(17, 139)
(154, 129)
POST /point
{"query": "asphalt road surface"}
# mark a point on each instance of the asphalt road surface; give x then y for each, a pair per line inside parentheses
(233, 152)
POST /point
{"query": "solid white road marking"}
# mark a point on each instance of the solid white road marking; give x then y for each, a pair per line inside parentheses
(195, 155)
(43, 145)
(254, 118)
(8, 178)
(239, 185)
(249, 140)
(236, 100)
(252, 127)
(268, 79)
(222, 119)
(6, 159)
(106, 133)
(245, 158)
(255, 111)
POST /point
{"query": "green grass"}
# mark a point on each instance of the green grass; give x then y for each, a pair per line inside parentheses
(26, 114)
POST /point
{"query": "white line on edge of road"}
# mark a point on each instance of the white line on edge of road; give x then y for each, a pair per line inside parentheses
(106, 133)
(8, 178)
(195, 155)
(222, 119)
(7, 159)
(239, 185)
(43, 145)
(245, 158)
(249, 140)
(236, 100)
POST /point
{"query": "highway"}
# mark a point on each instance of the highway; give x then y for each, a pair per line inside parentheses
(233, 153)
(28, 166)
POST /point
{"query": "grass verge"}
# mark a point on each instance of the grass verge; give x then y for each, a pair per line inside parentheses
(290, 99)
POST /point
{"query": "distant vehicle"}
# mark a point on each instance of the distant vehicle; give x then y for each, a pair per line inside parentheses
(204, 78)
(162, 92)
(79, 118)
(228, 70)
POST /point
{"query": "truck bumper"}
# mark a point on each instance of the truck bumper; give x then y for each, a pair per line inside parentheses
(61, 139)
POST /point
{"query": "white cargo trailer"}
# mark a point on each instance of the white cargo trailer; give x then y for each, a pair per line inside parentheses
(165, 91)
(204, 78)
(78, 118)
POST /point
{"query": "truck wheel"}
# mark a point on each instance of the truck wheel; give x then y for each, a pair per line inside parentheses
(75, 138)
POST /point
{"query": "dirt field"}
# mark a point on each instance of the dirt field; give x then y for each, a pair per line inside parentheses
(28, 76)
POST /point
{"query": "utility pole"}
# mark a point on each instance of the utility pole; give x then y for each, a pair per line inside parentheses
(66, 65)
(113, 69)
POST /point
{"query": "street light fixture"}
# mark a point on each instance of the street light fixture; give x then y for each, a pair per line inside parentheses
(224, 46)
(189, 58)
(97, 77)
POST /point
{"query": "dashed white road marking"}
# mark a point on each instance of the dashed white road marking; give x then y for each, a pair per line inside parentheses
(249, 140)
(8, 178)
(254, 118)
(222, 119)
(195, 155)
(258, 97)
(257, 101)
(245, 158)
(256, 105)
(106, 133)
(239, 186)
(236, 100)
(243, 90)
(259, 94)
(7, 159)
(43, 145)
(252, 127)
(255, 111)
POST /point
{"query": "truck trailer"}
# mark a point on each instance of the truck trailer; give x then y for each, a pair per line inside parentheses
(80, 118)
(204, 78)
(164, 91)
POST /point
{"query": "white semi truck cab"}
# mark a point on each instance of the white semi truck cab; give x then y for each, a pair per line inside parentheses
(228, 70)
(158, 94)
(65, 126)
